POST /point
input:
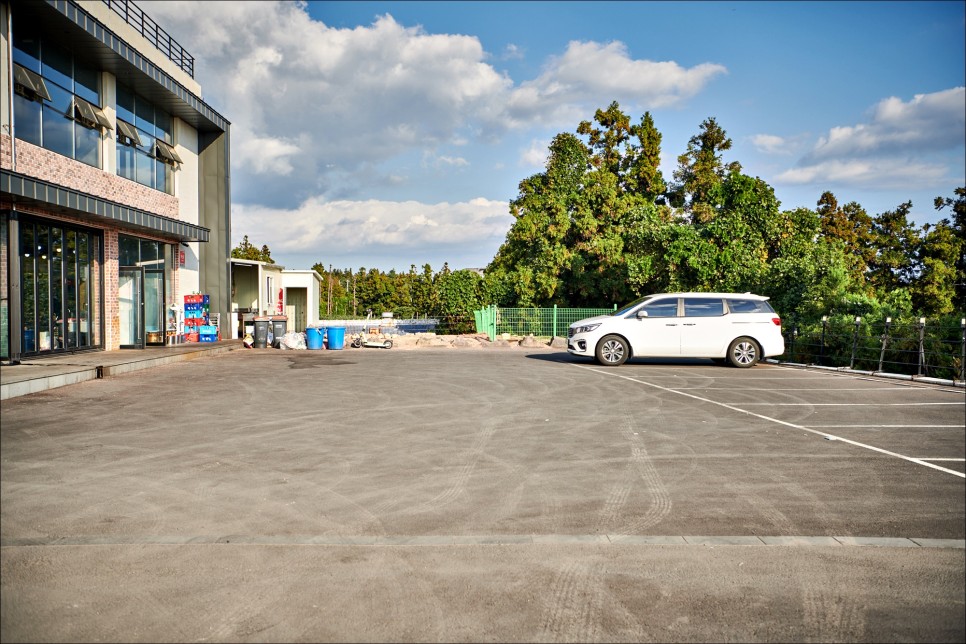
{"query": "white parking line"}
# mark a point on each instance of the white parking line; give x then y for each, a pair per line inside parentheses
(913, 404)
(794, 389)
(918, 461)
(888, 426)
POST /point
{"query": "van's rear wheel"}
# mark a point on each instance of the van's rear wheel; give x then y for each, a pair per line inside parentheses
(744, 353)
(612, 351)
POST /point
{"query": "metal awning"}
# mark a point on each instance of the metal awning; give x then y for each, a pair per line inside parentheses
(31, 81)
(127, 130)
(26, 190)
(166, 152)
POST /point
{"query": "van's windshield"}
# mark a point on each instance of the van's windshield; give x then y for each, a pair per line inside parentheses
(627, 308)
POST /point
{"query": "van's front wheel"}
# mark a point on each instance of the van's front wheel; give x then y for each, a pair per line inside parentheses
(612, 351)
(744, 353)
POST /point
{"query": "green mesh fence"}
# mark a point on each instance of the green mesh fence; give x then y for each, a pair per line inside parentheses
(547, 322)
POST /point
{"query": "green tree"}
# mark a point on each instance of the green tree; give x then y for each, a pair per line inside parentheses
(853, 227)
(896, 241)
(958, 225)
(701, 169)
(246, 250)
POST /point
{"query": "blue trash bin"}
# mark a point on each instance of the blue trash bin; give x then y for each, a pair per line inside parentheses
(313, 337)
(336, 337)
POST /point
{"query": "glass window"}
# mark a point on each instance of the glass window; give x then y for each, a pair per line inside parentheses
(87, 83)
(57, 66)
(144, 169)
(29, 310)
(58, 132)
(27, 114)
(662, 309)
(26, 49)
(149, 253)
(749, 306)
(70, 288)
(125, 161)
(87, 148)
(144, 115)
(128, 251)
(702, 308)
(125, 103)
(84, 336)
(162, 122)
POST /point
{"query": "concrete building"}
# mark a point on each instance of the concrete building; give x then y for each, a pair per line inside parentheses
(114, 180)
(264, 289)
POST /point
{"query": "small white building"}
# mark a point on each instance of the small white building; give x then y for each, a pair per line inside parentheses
(264, 289)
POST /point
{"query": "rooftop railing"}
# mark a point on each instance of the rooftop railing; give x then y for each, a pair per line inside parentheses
(157, 36)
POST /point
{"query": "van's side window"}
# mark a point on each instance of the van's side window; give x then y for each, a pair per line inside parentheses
(662, 309)
(702, 307)
(749, 306)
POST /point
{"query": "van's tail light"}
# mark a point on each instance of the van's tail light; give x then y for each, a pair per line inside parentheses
(776, 321)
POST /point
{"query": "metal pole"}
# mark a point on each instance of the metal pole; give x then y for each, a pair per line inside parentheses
(922, 348)
(962, 350)
(554, 321)
(821, 349)
(855, 341)
(885, 342)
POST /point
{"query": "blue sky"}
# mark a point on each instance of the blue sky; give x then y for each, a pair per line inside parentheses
(384, 134)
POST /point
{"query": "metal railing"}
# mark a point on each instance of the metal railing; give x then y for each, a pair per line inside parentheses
(545, 322)
(157, 36)
(936, 350)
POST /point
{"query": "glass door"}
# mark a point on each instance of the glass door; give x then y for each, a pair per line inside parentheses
(130, 300)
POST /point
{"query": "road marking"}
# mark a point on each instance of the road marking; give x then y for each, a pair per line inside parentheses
(915, 404)
(954, 460)
(782, 422)
(890, 426)
(780, 390)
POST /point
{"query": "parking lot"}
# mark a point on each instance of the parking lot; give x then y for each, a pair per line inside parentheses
(483, 495)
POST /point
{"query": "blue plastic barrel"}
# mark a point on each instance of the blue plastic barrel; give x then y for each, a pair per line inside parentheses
(313, 337)
(336, 337)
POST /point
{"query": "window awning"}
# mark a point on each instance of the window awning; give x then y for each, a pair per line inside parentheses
(125, 129)
(31, 81)
(166, 152)
(88, 113)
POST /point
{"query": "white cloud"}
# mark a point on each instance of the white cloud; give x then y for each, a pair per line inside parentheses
(769, 143)
(591, 70)
(928, 122)
(904, 145)
(336, 227)
(303, 96)
(880, 174)
(536, 154)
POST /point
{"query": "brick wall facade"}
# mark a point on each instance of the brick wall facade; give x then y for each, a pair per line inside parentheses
(36, 162)
(59, 170)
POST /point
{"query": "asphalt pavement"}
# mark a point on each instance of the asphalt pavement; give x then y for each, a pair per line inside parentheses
(482, 495)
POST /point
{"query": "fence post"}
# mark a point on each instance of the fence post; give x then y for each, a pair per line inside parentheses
(922, 348)
(885, 342)
(821, 349)
(962, 350)
(855, 341)
(554, 321)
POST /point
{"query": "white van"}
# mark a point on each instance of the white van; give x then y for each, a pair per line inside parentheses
(737, 328)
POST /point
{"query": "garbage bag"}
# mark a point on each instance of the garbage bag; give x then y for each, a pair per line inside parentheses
(293, 340)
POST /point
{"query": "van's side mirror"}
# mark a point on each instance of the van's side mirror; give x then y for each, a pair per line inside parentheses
(641, 314)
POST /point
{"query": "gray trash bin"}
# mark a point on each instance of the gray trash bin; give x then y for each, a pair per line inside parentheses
(279, 328)
(261, 332)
